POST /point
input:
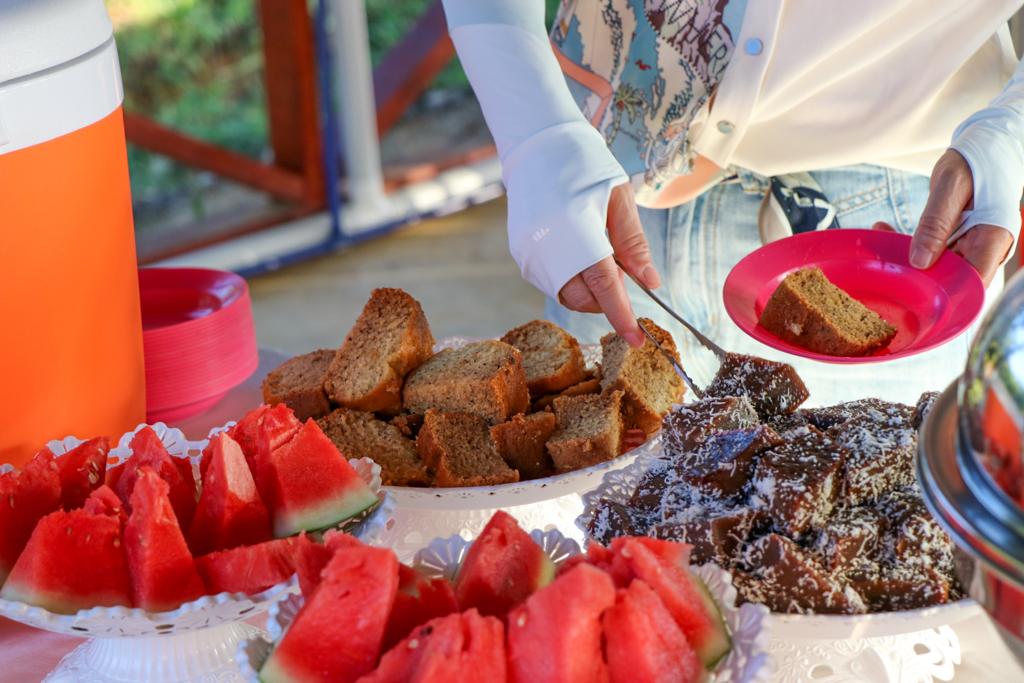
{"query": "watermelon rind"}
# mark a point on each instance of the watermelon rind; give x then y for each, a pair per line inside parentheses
(273, 672)
(718, 643)
(345, 510)
(54, 602)
(202, 613)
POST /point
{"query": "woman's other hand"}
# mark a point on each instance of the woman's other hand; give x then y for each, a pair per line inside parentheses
(952, 191)
(601, 288)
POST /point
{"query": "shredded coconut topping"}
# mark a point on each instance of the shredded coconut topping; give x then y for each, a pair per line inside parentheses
(815, 511)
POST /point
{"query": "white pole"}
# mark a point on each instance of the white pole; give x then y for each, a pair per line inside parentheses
(356, 106)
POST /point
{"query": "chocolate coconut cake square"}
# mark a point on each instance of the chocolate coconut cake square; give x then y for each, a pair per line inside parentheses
(721, 466)
(797, 483)
(716, 535)
(850, 532)
(773, 388)
(686, 427)
(880, 457)
(793, 582)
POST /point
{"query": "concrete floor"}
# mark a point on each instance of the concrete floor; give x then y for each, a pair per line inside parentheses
(458, 267)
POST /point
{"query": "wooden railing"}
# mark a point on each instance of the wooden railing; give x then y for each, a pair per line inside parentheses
(297, 173)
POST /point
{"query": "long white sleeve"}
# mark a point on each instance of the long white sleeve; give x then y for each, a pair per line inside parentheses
(557, 169)
(992, 142)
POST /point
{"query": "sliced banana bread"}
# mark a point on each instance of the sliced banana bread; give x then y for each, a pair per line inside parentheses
(587, 386)
(647, 379)
(389, 340)
(484, 378)
(299, 384)
(361, 435)
(459, 448)
(408, 423)
(588, 430)
(521, 443)
(552, 358)
(806, 309)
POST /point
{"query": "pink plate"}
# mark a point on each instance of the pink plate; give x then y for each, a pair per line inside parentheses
(198, 337)
(927, 307)
(171, 296)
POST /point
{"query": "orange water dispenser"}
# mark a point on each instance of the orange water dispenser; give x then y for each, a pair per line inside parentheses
(71, 358)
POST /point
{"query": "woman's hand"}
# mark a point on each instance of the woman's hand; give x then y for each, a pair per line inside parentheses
(952, 191)
(601, 287)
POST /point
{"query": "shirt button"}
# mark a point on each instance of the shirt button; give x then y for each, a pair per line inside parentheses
(754, 46)
(726, 127)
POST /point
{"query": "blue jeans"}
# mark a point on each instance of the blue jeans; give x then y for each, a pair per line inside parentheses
(694, 246)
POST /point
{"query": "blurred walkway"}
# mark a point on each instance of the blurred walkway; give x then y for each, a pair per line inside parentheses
(458, 267)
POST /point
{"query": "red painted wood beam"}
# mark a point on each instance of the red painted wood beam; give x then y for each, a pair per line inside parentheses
(411, 65)
(155, 137)
(291, 87)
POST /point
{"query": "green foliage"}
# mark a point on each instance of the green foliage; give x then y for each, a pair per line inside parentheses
(196, 65)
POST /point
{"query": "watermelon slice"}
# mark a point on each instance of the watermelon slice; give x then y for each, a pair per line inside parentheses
(684, 595)
(259, 434)
(249, 568)
(673, 552)
(149, 451)
(336, 540)
(310, 559)
(245, 433)
(314, 486)
(162, 570)
(555, 636)
(643, 642)
(230, 512)
(188, 476)
(82, 470)
(263, 427)
(457, 647)
(103, 501)
(419, 599)
(74, 560)
(596, 554)
(25, 497)
(337, 636)
(502, 568)
(114, 475)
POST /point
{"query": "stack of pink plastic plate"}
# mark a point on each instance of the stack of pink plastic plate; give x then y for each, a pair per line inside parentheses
(199, 339)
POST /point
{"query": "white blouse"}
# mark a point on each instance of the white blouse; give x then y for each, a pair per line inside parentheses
(811, 84)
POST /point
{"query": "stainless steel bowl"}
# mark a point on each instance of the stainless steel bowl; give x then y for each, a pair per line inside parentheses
(970, 470)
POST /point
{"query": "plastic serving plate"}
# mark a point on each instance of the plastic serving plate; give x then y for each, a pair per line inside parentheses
(425, 513)
(748, 662)
(196, 641)
(912, 646)
(927, 307)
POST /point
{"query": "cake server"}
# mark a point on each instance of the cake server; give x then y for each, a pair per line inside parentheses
(705, 342)
(671, 359)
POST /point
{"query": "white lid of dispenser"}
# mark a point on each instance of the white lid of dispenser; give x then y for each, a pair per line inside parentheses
(36, 35)
(58, 69)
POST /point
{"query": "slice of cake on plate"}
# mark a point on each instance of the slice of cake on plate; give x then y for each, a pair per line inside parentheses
(459, 448)
(589, 430)
(299, 384)
(809, 311)
(358, 435)
(552, 358)
(521, 442)
(649, 383)
(391, 338)
(773, 388)
(689, 425)
(484, 378)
